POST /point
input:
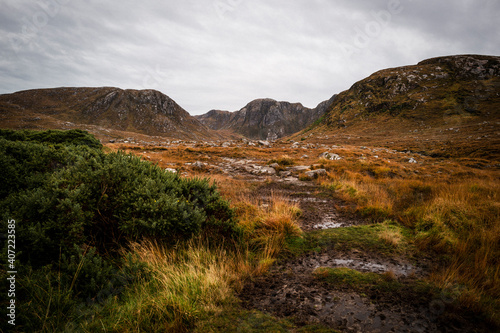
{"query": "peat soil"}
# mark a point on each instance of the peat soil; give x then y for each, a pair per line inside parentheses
(291, 290)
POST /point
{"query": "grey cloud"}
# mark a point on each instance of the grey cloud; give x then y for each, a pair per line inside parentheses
(224, 53)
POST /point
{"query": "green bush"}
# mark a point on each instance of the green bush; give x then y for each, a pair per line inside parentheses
(72, 137)
(67, 197)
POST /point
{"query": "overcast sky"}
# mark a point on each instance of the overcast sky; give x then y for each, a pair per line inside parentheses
(221, 54)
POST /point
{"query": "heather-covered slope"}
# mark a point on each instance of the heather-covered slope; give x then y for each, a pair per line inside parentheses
(441, 105)
(140, 111)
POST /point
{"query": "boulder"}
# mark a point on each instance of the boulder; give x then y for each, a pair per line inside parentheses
(267, 171)
(264, 143)
(285, 174)
(299, 168)
(199, 165)
(330, 156)
(315, 173)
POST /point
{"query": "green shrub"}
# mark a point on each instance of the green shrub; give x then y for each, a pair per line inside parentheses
(66, 195)
(72, 137)
(76, 208)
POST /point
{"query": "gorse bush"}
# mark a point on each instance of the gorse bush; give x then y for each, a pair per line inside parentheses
(67, 195)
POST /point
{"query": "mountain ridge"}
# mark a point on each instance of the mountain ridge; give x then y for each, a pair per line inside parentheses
(450, 102)
(265, 118)
(148, 112)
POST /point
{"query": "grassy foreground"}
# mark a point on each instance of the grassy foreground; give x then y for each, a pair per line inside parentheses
(446, 210)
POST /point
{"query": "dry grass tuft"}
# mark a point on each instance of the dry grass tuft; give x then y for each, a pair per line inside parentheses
(267, 225)
(391, 237)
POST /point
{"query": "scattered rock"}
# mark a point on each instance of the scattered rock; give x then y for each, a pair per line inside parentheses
(285, 174)
(299, 168)
(267, 171)
(264, 143)
(330, 156)
(315, 173)
(170, 170)
(412, 160)
(199, 165)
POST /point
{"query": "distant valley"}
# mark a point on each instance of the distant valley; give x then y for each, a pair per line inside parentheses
(441, 106)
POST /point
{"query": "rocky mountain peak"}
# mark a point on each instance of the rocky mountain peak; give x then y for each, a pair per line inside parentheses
(265, 118)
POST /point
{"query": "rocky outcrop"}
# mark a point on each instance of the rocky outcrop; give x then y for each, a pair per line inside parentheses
(142, 111)
(265, 119)
(430, 91)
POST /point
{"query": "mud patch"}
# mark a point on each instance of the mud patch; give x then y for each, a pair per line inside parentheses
(305, 300)
(291, 291)
(319, 209)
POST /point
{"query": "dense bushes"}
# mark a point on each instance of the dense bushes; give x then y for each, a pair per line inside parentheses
(72, 137)
(69, 196)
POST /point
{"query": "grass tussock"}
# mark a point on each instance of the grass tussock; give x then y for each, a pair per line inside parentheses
(268, 224)
(186, 285)
(455, 216)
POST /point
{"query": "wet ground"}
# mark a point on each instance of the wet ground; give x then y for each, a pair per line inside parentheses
(291, 289)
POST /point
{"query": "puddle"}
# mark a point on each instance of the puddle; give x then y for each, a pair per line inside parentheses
(308, 199)
(358, 261)
(403, 269)
(329, 225)
(331, 221)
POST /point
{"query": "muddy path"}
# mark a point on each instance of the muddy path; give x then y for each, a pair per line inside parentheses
(397, 302)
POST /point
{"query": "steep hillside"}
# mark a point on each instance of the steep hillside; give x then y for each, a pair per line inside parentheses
(265, 118)
(138, 111)
(447, 105)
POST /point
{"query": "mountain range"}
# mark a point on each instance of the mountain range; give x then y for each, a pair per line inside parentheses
(442, 104)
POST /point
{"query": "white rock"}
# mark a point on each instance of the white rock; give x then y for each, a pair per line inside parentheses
(199, 165)
(267, 171)
(330, 156)
(264, 143)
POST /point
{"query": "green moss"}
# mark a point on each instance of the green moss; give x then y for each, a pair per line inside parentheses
(364, 237)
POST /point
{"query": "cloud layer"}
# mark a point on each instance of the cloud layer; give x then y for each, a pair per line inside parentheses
(221, 54)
